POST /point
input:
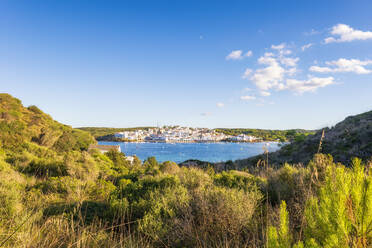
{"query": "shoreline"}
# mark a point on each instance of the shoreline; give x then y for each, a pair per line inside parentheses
(191, 142)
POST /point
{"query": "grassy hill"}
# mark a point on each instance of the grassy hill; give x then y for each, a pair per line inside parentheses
(21, 126)
(347, 139)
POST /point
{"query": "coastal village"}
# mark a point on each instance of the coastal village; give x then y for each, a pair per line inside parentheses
(177, 134)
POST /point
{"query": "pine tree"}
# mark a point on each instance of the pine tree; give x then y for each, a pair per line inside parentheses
(341, 215)
(280, 237)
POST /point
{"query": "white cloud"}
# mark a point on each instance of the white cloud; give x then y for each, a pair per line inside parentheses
(220, 104)
(289, 61)
(265, 93)
(267, 59)
(344, 65)
(206, 114)
(246, 74)
(234, 55)
(249, 54)
(316, 68)
(281, 49)
(345, 33)
(238, 54)
(312, 84)
(269, 54)
(304, 47)
(276, 71)
(268, 77)
(271, 76)
(285, 52)
(312, 32)
(291, 71)
(278, 47)
(247, 98)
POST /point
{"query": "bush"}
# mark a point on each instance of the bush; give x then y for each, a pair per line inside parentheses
(194, 179)
(73, 139)
(84, 213)
(101, 190)
(341, 215)
(143, 187)
(46, 168)
(280, 237)
(238, 180)
(164, 219)
(222, 216)
(61, 185)
(169, 167)
(121, 164)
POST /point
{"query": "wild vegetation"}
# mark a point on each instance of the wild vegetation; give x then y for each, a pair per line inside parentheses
(269, 135)
(349, 138)
(97, 132)
(54, 193)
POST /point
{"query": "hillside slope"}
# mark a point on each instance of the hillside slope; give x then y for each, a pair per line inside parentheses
(350, 138)
(20, 125)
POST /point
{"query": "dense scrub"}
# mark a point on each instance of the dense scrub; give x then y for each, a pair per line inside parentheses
(162, 205)
(54, 193)
(269, 135)
(349, 138)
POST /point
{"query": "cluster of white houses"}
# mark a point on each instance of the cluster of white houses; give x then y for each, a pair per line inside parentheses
(181, 134)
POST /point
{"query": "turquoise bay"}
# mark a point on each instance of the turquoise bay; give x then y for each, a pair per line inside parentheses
(179, 152)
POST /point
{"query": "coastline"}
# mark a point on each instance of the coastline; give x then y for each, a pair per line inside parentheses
(177, 141)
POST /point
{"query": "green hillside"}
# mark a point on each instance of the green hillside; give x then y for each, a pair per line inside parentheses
(269, 135)
(20, 127)
(104, 131)
(349, 138)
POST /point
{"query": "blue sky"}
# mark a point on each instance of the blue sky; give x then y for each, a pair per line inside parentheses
(254, 64)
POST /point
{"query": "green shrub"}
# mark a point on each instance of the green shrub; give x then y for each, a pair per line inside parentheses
(165, 214)
(151, 166)
(222, 216)
(194, 178)
(85, 213)
(169, 167)
(101, 190)
(46, 168)
(341, 215)
(239, 180)
(60, 185)
(73, 139)
(143, 187)
(280, 237)
(121, 164)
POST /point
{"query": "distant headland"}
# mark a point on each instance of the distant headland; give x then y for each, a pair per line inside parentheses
(178, 134)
